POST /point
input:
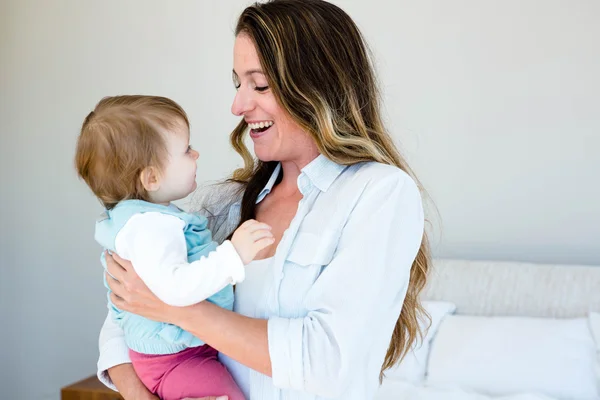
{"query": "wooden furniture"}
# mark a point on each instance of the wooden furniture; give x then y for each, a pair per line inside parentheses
(89, 389)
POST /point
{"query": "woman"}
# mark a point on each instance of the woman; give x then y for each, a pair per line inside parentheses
(333, 303)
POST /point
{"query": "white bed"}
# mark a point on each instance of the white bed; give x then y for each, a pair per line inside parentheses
(512, 293)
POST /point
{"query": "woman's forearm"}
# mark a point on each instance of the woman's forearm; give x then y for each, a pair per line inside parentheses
(242, 338)
(126, 380)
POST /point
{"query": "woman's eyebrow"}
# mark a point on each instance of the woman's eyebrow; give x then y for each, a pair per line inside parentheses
(249, 72)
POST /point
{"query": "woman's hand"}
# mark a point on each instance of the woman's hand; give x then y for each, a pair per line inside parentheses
(131, 294)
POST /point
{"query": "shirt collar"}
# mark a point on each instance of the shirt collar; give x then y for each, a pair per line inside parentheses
(320, 172)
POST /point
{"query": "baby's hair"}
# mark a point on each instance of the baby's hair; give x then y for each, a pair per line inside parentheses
(119, 138)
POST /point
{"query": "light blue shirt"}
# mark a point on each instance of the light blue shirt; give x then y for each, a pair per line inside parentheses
(334, 289)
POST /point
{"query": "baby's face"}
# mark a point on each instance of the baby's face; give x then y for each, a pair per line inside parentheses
(178, 179)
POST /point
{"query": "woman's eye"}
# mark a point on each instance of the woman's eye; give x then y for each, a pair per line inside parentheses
(261, 88)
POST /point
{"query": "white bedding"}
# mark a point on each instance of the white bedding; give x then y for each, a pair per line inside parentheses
(506, 289)
(396, 390)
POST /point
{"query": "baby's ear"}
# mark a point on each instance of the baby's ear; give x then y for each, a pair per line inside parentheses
(150, 179)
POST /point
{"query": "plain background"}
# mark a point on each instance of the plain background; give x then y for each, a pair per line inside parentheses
(494, 103)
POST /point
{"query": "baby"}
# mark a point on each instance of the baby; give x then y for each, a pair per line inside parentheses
(134, 154)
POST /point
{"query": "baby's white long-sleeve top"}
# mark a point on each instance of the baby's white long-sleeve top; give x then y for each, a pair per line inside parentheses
(155, 244)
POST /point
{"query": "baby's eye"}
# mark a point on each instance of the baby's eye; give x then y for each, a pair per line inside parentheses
(189, 148)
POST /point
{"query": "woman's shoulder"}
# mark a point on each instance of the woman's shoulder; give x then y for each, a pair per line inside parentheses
(216, 198)
(372, 173)
(220, 204)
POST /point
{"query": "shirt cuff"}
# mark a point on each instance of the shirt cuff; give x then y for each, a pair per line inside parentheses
(285, 351)
(232, 261)
(114, 352)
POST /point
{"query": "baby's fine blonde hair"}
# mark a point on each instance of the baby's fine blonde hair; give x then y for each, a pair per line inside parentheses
(119, 138)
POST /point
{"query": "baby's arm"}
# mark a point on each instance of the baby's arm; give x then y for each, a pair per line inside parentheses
(155, 244)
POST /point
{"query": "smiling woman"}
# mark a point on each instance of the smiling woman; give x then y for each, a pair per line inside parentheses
(334, 302)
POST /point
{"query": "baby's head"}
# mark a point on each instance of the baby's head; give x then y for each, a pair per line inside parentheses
(136, 147)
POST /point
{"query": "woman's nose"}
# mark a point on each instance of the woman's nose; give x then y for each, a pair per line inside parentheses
(242, 103)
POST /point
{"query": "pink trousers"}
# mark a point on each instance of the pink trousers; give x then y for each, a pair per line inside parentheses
(194, 372)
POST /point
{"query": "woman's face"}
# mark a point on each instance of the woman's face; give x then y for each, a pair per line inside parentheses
(275, 135)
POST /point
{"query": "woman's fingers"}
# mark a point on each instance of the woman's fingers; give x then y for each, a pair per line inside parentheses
(118, 289)
(122, 270)
(126, 265)
(113, 267)
(113, 284)
(119, 302)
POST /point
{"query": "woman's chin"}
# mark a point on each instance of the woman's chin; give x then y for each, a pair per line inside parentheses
(266, 158)
(264, 154)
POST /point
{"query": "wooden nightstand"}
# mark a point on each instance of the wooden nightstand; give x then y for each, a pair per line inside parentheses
(89, 389)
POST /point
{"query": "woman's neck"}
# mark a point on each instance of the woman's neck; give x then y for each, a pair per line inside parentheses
(291, 172)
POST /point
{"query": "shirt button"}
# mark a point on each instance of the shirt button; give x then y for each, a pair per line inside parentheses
(281, 275)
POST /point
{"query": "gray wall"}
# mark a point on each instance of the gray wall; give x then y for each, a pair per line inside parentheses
(495, 104)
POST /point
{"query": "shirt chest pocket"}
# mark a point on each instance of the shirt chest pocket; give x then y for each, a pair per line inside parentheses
(309, 255)
(312, 249)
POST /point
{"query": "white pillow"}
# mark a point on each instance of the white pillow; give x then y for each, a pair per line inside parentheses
(509, 355)
(595, 328)
(413, 366)
(594, 320)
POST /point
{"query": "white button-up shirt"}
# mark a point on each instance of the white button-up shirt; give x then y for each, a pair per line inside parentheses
(334, 289)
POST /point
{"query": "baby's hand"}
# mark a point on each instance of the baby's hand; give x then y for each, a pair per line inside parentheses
(250, 238)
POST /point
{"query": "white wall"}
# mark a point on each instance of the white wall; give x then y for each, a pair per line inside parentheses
(495, 103)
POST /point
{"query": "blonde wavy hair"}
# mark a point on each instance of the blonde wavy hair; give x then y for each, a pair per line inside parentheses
(319, 68)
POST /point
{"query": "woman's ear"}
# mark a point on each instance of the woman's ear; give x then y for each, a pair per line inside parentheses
(150, 179)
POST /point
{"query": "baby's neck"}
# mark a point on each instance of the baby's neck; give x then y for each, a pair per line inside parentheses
(155, 200)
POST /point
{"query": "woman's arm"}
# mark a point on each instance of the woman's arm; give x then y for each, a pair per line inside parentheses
(242, 338)
(126, 380)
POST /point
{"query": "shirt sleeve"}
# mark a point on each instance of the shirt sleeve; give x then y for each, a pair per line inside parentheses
(362, 289)
(155, 244)
(113, 350)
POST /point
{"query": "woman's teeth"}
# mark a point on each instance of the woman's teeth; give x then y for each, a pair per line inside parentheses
(260, 126)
